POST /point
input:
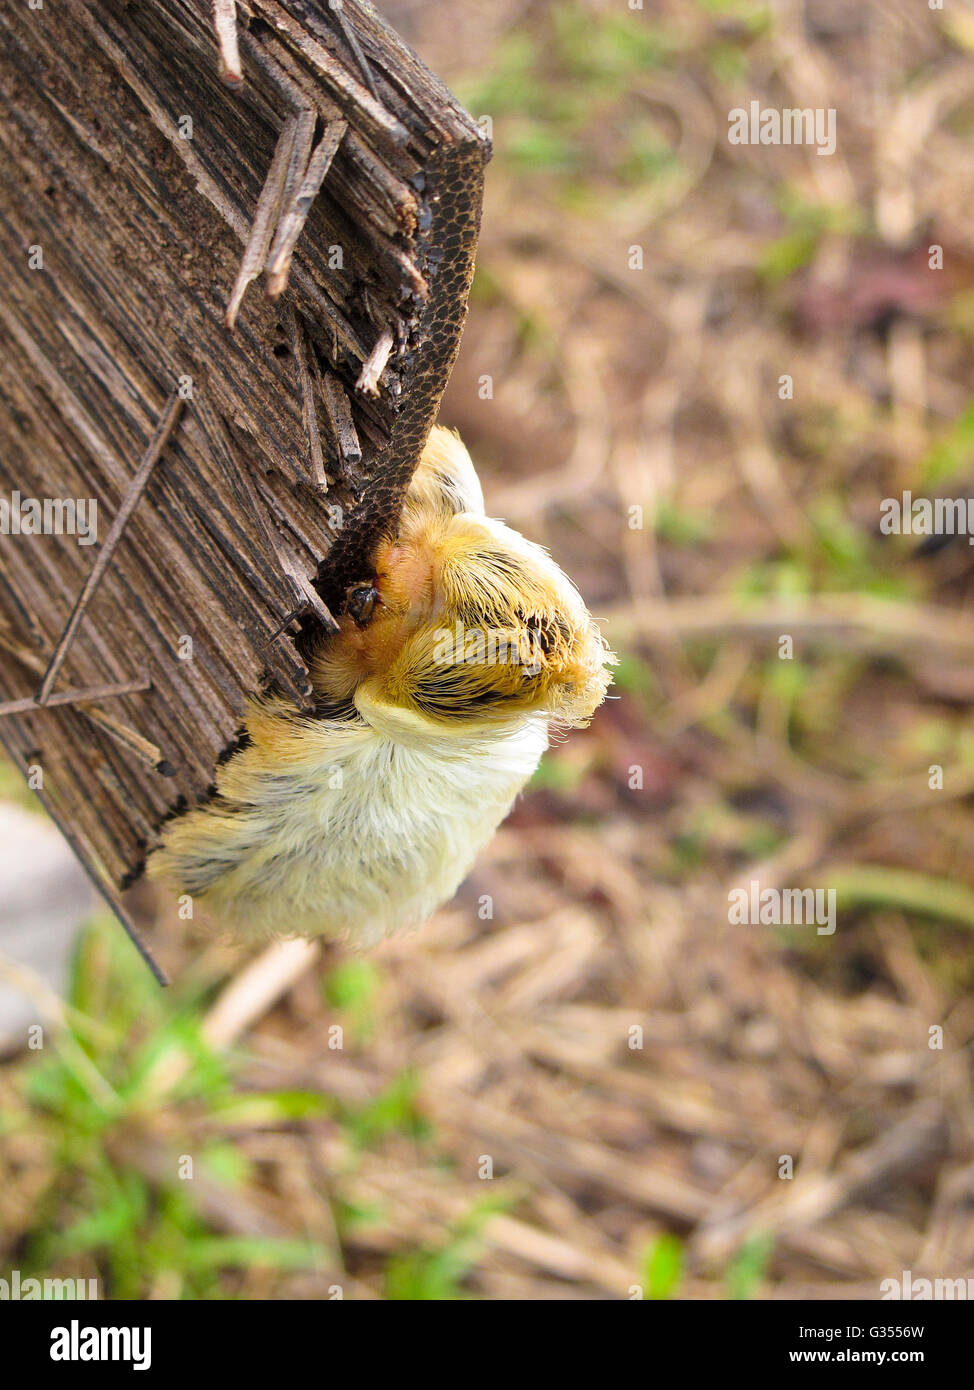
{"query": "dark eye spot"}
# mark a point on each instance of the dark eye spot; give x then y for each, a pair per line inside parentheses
(360, 602)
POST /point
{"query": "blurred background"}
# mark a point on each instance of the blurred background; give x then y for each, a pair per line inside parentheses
(580, 1081)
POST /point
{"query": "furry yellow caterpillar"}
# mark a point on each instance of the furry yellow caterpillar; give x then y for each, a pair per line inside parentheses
(435, 699)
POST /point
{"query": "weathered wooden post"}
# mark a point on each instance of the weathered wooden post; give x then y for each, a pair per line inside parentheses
(237, 250)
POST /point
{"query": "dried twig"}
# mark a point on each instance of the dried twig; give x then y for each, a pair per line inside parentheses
(353, 43)
(304, 591)
(915, 1137)
(286, 622)
(294, 217)
(307, 119)
(77, 696)
(283, 83)
(265, 219)
(339, 414)
(375, 364)
(160, 439)
(382, 126)
(120, 731)
(225, 24)
(130, 738)
(258, 987)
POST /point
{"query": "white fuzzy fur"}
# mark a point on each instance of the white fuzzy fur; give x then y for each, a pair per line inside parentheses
(373, 828)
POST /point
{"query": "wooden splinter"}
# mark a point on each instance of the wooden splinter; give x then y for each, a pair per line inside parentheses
(300, 587)
(225, 24)
(303, 353)
(265, 219)
(375, 364)
(77, 696)
(353, 43)
(164, 431)
(285, 86)
(132, 740)
(123, 733)
(345, 435)
(285, 623)
(296, 213)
